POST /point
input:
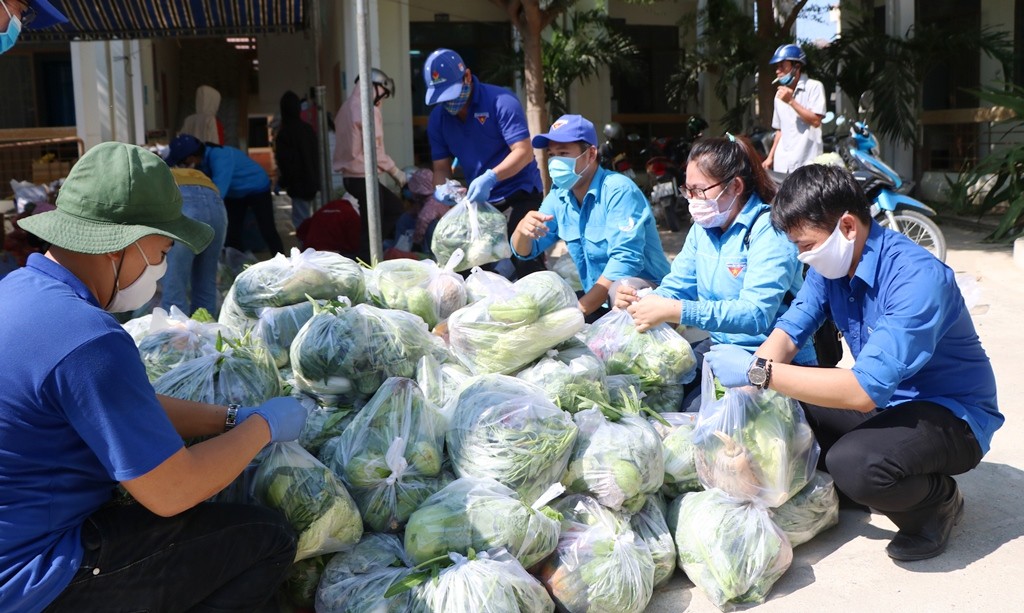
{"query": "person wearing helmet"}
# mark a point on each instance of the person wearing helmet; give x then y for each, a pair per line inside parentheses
(348, 159)
(484, 126)
(18, 14)
(799, 108)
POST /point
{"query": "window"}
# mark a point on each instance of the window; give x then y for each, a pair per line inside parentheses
(643, 90)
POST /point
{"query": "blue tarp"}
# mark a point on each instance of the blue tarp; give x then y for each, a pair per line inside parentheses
(125, 19)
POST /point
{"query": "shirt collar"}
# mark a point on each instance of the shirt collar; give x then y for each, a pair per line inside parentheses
(750, 211)
(593, 192)
(48, 267)
(870, 257)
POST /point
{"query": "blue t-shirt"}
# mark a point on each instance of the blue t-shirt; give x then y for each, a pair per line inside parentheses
(612, 234)
(733, 290)
(908, 329)
(494, 120)
(77, 415)
(235, 174)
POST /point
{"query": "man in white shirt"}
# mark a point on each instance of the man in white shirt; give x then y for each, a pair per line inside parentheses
(799, 108)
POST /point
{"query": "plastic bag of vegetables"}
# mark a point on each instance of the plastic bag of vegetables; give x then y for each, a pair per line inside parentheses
(233, 371)
(754, 444)
(139, 326)
(600, 565)
(420, 287)
(277, 327)
(659, 356)
(618, 461)
(232, 316)
(356, 579)
(506, 332)
(441, 382)
(482, 514)
(811, 511)
(482, 582)
(390, 455)
(566, 268)
(282, 280)
(483, 283)
(315, 502)
(299, 587)
(324, 424)
(664, 398)
(730, 548)
(571, 374)
(478, 229)
(174, 338)
(650, 526)
(506, 429)
(345, 353)
(679, 453)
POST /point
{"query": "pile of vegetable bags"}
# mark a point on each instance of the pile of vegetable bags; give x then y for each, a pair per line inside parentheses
(471, 233)
(420, 287)
(571, 374)
(357, 578)
(661, 358)
(514, 326)
(168, 339)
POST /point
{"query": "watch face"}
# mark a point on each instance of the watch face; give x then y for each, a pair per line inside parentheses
(757, 375)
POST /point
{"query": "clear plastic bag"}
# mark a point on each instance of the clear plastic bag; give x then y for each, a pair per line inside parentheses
(660, 356)
(483, 582)
(753, 444)
(233, 371)
(571, 374)
(283, 280)
(311, 497)
(356, 579)
(277, 327)
(505, 332)
(599, 564)
(616, 462)
(482, 514)
(508, 430)
(173, 338)
(679, 453)
(478, 229)
(649, 524)
(731, 549)
(441, 382)
(390, 455)
(420, 287)
(811, 511)
(482, 283)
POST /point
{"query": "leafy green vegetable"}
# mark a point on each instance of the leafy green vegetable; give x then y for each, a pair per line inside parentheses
(649, 525)
(172, 338)
(507, 429)
(571, 374)
(479, 230)
(479, 514)
(811, 511)
(679, 452)
(303, 578)
(492, 581)
(730, 548)
(356, 579)
(231, 371)
(659, 356)
(277, 327)
(313, 500)
(283, 281)
(323, 424)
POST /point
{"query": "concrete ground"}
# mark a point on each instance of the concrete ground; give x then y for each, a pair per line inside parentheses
(846, 569)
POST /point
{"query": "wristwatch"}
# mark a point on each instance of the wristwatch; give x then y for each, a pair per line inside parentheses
(232, 417)
(760, 373)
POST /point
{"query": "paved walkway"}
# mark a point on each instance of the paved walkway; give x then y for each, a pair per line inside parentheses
(846, 569)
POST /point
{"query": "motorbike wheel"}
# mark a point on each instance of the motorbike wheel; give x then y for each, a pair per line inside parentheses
(920, 229)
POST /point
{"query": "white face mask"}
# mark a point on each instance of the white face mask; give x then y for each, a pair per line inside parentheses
(138, 293)
(710, 213)
(832, 258)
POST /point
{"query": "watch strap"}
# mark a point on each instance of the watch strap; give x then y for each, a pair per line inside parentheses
(231, 419)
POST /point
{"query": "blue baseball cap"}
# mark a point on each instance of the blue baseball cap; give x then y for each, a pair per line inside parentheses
(443, 72)
(46, 15)
(183, 146)
(567, 129)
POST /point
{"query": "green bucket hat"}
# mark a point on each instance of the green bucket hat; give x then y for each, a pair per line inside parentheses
(113, 196)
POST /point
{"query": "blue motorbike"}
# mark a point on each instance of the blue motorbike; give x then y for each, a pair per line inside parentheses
(890, 206)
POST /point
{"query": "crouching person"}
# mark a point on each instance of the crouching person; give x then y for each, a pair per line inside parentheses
(78, 417)
(919, 404)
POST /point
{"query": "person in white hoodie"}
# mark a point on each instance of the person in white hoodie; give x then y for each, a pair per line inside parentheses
(203, 124)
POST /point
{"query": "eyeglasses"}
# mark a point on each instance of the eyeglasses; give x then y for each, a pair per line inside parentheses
(27, 15)
(701, 192)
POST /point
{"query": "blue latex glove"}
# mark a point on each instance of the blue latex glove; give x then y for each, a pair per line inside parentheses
(285, 415)
(443, 195)
(480, 189)
(730, 364)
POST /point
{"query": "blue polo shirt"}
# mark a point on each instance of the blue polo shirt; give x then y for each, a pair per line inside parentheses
(908, 329)
(235, 174)
(77, 415)
(494, 120)
(611, 234)
(732, 290)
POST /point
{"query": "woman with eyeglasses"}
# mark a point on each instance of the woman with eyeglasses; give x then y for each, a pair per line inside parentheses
(735, 274)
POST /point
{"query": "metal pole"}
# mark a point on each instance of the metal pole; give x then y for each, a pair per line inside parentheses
(319, 94)
(370, 208)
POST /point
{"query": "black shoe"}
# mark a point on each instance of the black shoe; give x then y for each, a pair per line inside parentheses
(933, 536)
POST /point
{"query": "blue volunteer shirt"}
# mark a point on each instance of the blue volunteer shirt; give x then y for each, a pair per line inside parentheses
(494, 120)
(908, 329)
(732, 290)
(77, 415)
(235, 174)
(611, 234)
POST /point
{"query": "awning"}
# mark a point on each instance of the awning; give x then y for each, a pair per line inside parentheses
(124, 19)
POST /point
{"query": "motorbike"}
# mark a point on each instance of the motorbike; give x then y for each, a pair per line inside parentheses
(666, 173)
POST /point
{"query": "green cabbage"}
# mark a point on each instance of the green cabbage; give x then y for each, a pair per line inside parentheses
(659, 356)
(485, 581)
(679, 452)
(277, 327)
(478, 229)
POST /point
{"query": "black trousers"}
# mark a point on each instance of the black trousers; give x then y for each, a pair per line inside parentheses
(898, 461)
(390, 210)
(521, 203)
(262, 206)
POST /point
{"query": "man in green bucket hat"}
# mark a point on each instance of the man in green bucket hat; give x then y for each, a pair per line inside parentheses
(78, 417)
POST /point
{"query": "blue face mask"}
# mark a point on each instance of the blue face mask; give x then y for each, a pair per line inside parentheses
(8, 38)
(786, 79)
(562, 171)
